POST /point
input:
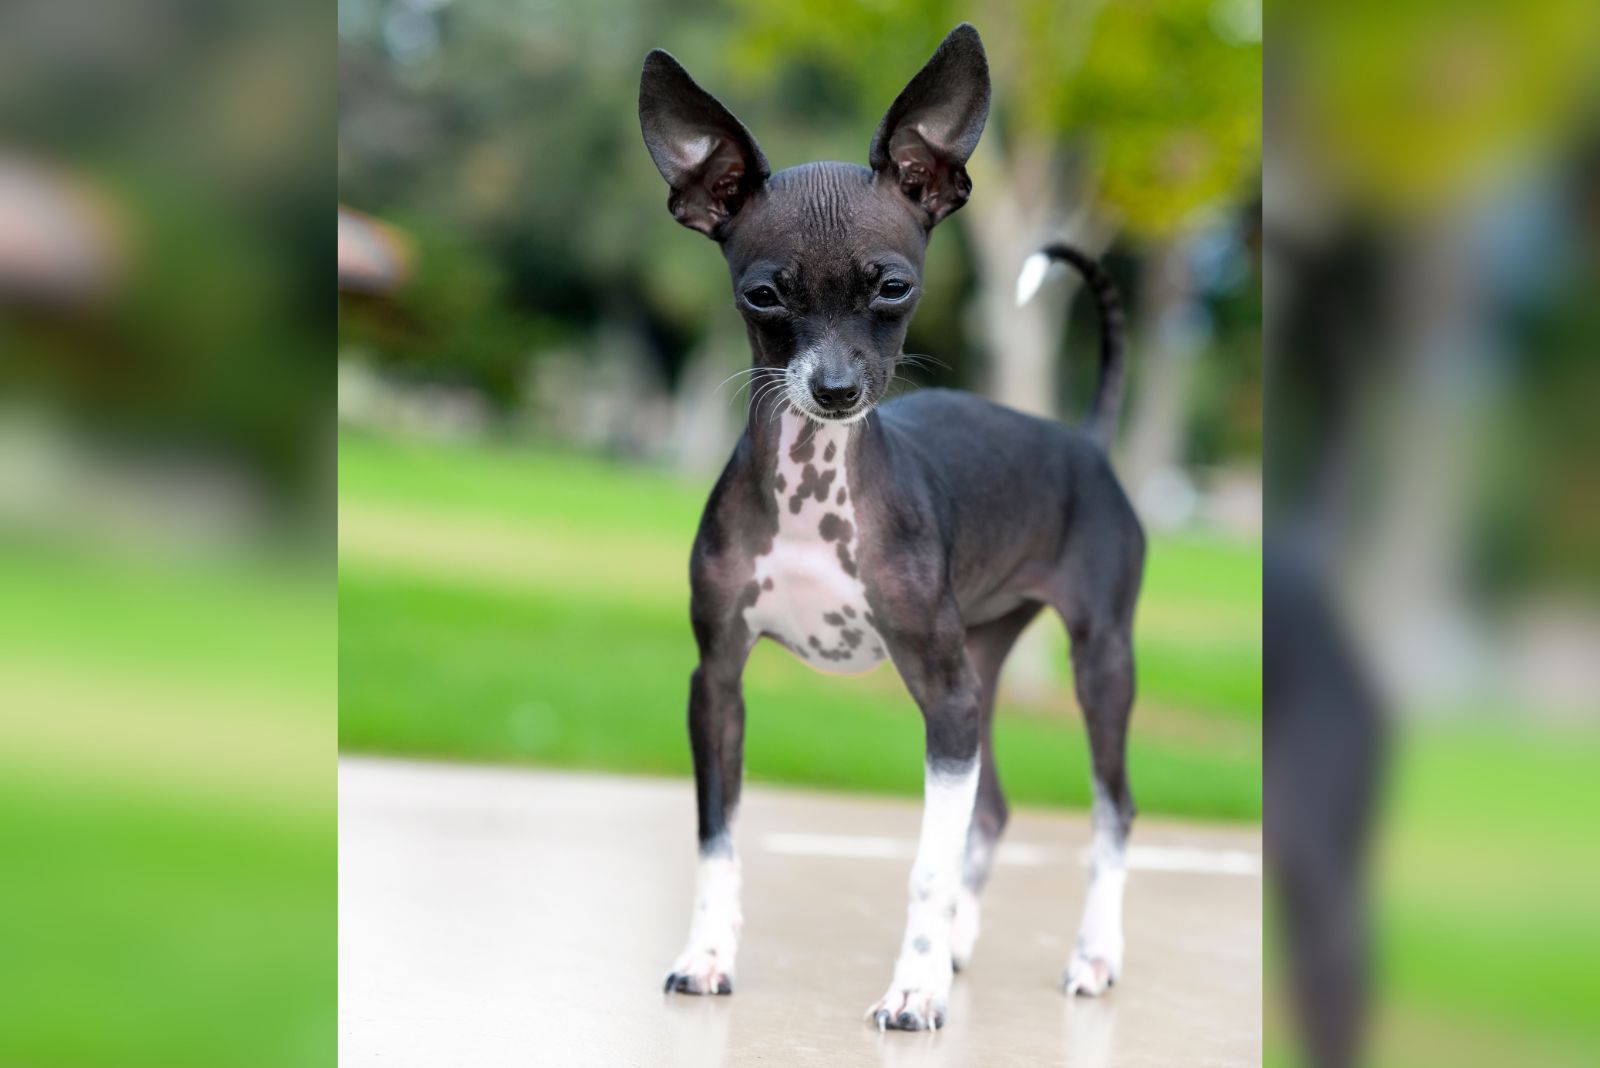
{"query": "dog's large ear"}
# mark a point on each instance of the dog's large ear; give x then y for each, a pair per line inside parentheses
(705, 154)
(930, 130)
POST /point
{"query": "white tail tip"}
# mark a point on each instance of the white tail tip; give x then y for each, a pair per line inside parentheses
(1031, 278)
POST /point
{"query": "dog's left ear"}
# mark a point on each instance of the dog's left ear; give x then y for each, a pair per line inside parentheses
(930, 130)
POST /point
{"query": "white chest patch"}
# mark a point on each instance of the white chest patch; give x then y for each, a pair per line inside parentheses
(809, 595)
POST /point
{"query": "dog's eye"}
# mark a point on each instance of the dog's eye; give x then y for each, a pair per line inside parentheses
(762, 296)
(893, 289)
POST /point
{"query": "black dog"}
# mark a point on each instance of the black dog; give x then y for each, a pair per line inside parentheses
(928, 531)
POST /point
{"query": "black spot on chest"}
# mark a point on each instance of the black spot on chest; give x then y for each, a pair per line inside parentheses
(836, 528)
(812, 484)
(749, 595)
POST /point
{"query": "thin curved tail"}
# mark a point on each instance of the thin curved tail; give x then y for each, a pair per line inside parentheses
(1101, 423)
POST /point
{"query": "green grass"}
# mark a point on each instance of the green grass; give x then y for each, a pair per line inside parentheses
(1486, 878)
(1483, 882)
(504, 605)
(166, 809)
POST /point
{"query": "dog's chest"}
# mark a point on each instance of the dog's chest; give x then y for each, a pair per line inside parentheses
(808, 593)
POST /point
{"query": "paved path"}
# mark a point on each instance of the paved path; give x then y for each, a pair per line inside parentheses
(511, 917)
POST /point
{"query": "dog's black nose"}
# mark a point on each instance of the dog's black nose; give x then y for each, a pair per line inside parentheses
(835, 395)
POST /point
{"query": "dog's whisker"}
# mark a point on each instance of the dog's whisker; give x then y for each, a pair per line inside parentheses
(757, 396)
(905, 382)
(772, 402)
(767, 390)
(746, 384)
(781, 397)
(742, 371)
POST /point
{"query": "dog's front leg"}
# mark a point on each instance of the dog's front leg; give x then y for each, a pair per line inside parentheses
(945, 686)
(716, 735)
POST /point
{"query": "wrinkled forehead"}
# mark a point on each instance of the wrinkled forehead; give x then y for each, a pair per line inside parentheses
(830, 217)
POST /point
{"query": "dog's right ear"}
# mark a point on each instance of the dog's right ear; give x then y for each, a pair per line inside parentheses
(706, 155)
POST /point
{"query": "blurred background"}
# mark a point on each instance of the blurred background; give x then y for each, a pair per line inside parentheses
(533, 365)
(526, 360)
(1432, 706)
(167, 627)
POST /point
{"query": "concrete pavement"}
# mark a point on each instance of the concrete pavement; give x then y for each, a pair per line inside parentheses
(493, 916)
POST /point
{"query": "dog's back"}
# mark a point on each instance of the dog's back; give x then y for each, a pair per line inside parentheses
(1016, 487)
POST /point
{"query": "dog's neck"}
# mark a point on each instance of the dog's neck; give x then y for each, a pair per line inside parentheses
(787, 443)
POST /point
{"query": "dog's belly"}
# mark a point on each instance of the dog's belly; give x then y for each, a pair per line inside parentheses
(807, 592)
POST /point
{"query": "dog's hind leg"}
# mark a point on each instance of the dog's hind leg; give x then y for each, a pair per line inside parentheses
(987, 647)
(1103, 666)
(1100, 584)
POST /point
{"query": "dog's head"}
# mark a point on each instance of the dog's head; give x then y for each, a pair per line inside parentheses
(826, 258)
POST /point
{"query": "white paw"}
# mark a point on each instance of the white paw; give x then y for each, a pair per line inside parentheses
(915, 1009)
(964, 928)
(706, 964)
(1088, 975)
(701, 971)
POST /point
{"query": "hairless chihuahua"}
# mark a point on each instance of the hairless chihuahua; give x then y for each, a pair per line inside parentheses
(928, 531)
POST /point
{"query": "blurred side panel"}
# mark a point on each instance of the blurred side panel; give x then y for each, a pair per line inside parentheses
(167, 629)
(1433, 580)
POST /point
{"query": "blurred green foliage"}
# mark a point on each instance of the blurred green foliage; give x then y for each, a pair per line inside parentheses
(1158, 100)
(201, 154)
(1422, 106)
(504, 139)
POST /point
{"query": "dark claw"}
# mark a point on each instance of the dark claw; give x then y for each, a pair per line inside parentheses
(938, 1020)
(672, 977)
(724, 986)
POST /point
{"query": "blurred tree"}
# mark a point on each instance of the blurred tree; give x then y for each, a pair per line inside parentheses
(507, 135)
(506, 138)
(1140, 117)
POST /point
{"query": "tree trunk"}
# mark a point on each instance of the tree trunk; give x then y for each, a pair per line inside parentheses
(1006, 226)
(1168, 343)
(1408, 566)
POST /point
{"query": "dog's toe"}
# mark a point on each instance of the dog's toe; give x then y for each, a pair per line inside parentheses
(908, 1010)
(1089, 976)
(699, 973)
